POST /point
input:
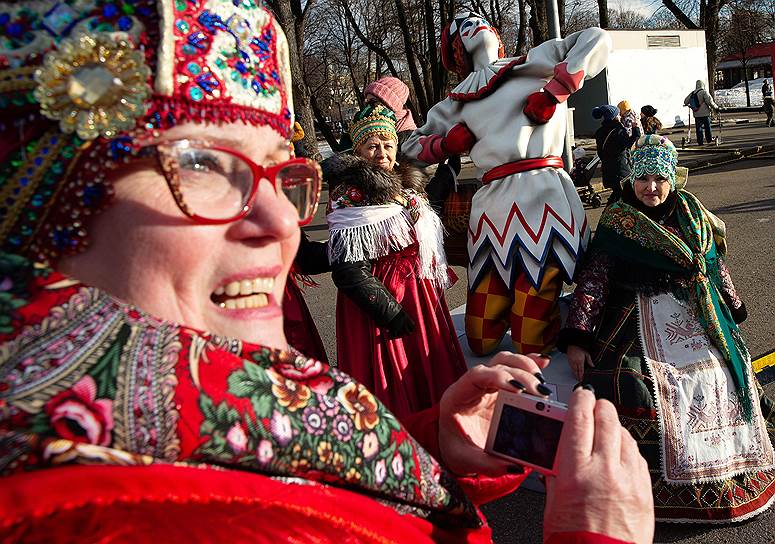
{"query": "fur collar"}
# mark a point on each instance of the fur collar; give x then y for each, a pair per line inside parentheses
(380, 186)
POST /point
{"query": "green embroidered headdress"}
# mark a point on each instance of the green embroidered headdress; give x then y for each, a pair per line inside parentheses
(656, 155)
(371, 120)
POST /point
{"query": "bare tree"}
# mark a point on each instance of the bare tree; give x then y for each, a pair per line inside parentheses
(744, 28)
(602, 9)
(707, 13)
(627, 19)
(292, 17)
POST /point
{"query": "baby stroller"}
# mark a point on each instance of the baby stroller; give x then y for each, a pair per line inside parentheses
(582, 173)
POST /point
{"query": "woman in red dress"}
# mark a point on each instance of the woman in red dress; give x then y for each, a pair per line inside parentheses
(394, 331)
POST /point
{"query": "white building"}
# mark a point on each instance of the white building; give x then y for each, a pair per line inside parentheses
(657, 67)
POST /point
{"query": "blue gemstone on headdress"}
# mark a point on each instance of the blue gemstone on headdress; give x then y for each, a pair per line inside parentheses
(125, 23)
(120, 147)
(211, 21)
(14, 30)
(4, 18)
(15, 241)
(61, 237)
(24, 181)
(198, 40)
(92, 195)
(240, 66)
(207, 81)
(109, 11)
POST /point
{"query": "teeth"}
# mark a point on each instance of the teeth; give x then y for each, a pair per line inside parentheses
(246, 287)
(254, 301)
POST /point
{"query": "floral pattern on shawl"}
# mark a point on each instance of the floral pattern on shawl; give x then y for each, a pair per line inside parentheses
(87, 379)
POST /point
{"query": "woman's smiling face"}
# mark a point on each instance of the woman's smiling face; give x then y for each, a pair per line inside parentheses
(226, 279)
(651, 189)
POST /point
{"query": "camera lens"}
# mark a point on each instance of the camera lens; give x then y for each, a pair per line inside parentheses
(540, 406)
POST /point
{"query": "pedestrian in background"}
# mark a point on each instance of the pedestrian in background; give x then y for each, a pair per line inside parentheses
(769, 101)
(702, 105)
(649, 121)
(613, 148)
(628, 116)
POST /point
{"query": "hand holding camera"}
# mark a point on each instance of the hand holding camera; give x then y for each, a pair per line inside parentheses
(602, 483)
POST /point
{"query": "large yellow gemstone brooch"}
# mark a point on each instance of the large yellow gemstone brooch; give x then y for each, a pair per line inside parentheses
(93, 85)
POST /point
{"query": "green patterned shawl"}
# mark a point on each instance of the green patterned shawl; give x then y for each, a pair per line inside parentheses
(627, 233)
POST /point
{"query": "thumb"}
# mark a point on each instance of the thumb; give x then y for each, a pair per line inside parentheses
(588, 359)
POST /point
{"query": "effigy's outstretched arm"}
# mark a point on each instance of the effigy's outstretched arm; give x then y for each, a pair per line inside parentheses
(580, 56)
(442, 135)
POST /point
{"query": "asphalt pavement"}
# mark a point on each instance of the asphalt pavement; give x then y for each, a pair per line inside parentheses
(742, 193)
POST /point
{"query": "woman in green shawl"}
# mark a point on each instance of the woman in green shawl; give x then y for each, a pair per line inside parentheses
(653, 328)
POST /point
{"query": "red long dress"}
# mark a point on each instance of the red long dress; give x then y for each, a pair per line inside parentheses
(403, 239)
(298, 324)
(408, 374)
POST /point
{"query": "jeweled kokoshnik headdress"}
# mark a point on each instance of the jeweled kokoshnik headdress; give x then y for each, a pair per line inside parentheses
(81, 79)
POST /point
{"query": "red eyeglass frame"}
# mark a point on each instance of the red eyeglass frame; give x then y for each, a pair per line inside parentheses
(259, 173)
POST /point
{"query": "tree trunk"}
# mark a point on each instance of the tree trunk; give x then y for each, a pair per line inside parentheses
(561, 13)
(325, 128)
(538, 23)
(411, 60)
(602, 8)
(378, 50)
(294, 32)
(523, 28)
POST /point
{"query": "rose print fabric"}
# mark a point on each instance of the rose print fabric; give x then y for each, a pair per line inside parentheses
(87, 379)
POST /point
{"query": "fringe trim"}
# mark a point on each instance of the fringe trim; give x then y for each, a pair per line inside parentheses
(430, 235)
(370, 241)
(660, 421)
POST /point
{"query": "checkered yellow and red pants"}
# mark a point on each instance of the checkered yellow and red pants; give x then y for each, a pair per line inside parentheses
(533, 314)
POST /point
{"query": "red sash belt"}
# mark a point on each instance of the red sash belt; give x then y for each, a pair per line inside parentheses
(500, 172)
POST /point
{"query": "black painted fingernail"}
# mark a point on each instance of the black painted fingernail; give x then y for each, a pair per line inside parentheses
(541, 388)
(517, 384)
(515, 469)
(540, 377)
(584, 386)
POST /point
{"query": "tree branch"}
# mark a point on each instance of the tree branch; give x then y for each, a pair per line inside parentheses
(680, 15)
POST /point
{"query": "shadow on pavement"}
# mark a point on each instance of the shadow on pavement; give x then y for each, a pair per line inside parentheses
(747, 207)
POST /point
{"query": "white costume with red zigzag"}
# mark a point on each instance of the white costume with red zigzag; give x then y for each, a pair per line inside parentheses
(533, 214)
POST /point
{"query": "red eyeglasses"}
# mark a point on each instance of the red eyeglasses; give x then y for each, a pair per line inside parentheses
(215, 185)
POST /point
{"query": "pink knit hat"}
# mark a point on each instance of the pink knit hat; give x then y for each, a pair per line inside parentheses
(393, 93)
(391, 90)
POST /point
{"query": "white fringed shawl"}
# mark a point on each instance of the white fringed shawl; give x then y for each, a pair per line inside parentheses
(371, 232)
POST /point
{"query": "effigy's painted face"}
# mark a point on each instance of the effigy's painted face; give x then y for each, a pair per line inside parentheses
(476, 33)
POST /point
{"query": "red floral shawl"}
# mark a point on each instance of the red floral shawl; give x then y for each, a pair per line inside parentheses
(86, 379)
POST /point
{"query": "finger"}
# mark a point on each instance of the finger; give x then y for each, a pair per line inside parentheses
(608, 434)
(630, 453)
(541, 360)
(578, 370)
(515, 360)
(588, 360)
(493, 378)
(578, 432)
